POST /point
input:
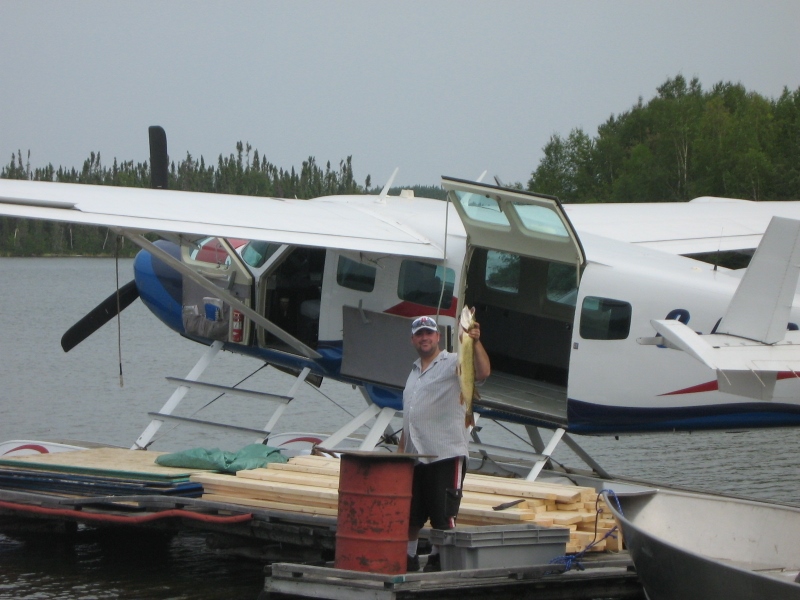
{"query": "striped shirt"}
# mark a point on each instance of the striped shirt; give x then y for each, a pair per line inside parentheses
(433, 416)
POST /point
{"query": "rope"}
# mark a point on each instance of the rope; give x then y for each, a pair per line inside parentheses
(444, 257)
(574, 560)
(119, 310)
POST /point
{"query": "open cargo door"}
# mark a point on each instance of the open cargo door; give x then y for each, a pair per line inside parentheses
(522, 271)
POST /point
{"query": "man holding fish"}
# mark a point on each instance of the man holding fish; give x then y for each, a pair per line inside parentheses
(437, 414)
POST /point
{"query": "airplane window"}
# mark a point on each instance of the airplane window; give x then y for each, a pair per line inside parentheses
(355, 275)
(481, 208)
(502, 271)
(422, 283)
(256, 254)
(540, 219)
(562, 284)
(605, 319)
(208, 250)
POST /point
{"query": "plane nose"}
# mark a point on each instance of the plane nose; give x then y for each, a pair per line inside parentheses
(160, 286)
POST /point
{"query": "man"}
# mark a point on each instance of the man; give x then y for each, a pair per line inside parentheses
(433, 425)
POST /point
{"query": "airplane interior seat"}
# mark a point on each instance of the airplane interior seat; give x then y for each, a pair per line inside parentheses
(310, 309)
(308, 321)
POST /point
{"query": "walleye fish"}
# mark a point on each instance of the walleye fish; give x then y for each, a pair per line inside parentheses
(466, 364)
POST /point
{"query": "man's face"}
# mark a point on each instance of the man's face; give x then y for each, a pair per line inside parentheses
(426, 342)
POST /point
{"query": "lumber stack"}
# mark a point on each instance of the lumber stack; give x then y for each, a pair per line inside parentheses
(96, 472)
(309, 485)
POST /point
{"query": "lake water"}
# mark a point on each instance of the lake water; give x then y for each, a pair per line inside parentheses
(47, 394)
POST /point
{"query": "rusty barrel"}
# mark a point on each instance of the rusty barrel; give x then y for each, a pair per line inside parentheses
(374, 504)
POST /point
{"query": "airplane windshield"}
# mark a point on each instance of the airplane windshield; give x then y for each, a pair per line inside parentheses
(256, 254)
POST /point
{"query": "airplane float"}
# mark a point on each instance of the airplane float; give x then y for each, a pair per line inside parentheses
(597, 318)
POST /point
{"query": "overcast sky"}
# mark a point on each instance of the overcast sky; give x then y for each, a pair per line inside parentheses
(432, 87)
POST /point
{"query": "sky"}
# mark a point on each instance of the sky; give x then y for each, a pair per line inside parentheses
(430, 87)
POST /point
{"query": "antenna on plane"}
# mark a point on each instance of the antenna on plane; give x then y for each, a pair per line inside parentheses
(385, 190)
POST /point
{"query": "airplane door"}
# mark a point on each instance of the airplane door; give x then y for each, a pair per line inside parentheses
(514, 221)
(204, 315)
(522, 271)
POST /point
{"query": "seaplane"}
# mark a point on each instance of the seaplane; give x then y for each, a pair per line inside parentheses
(602, 319)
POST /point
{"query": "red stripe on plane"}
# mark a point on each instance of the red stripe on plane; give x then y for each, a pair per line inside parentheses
(713, 386)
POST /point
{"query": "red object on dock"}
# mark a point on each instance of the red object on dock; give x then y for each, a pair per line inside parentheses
(374, 504)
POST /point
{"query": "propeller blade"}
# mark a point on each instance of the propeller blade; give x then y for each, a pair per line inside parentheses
(99, 316)
(159, 161)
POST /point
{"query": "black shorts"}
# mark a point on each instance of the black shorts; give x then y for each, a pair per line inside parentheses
(436, 492)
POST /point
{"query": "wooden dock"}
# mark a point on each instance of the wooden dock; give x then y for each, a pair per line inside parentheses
(288, 512)
(602, 577)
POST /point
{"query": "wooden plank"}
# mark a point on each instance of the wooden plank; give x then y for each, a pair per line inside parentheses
(309, 479)
(561, 518)
(319, 470)
(115, 462)
(308, 510)
(489, 516)
(315, 461)
(258, 486)
(504, 490)
(498, 499)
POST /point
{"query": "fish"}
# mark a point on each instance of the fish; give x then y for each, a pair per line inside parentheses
(466, 365)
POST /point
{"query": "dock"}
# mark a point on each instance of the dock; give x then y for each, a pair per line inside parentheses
(285, 515)
(602, 577)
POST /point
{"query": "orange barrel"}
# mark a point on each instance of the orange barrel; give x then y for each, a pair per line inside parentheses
(374, 505)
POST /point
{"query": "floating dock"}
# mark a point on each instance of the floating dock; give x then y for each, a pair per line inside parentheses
(601, 577)
(288, 512)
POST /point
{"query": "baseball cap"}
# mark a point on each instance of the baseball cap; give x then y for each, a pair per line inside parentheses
(423, 323)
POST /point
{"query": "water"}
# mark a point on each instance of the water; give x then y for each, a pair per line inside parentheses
(48, 394)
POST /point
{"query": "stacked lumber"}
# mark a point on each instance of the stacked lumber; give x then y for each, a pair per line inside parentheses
(309, 485)
(96, 472)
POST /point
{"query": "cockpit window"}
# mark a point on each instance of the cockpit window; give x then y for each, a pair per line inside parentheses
(355, 275)
(256, 254)
(605, 319)
(422, 283)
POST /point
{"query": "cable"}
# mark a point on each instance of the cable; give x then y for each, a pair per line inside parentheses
(119, 311)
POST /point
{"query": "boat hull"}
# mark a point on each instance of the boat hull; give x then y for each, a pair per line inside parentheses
(696, 546)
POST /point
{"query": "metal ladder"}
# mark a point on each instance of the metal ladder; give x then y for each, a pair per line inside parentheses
(191, 381)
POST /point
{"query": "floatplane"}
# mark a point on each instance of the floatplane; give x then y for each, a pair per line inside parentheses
(599, 319)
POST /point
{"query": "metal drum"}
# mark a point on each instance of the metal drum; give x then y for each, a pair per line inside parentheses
(374, 505)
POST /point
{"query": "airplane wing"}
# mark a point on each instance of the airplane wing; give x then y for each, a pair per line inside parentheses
(344, 223)
(702, 225)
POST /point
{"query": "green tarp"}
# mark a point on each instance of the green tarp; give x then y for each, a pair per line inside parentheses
(249, 457)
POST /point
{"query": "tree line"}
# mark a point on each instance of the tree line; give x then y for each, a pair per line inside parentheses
(243, 173)
(683, 143)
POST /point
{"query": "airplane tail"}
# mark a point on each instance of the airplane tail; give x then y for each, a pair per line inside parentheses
(762, 303)
(751, 345)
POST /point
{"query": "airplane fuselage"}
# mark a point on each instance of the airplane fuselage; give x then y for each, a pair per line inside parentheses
(562, 338)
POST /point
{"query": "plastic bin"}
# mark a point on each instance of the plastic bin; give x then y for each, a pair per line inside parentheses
(499, 546)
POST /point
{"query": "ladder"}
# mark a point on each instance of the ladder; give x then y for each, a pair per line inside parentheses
(191, 381)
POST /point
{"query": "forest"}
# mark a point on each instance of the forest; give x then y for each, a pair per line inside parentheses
(683, 143)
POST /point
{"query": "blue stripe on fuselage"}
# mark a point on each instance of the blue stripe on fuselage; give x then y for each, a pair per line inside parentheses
(590, 418)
